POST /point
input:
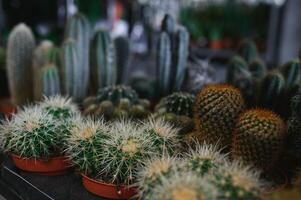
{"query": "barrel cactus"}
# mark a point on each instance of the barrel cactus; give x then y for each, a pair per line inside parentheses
(248, 50)
(258, 138)
(20, 48)
(103, 60)
(216, 109)
(86, 144)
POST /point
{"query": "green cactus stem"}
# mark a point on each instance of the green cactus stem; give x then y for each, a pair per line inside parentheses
(122, 55)
(50, 80)
(248, 50)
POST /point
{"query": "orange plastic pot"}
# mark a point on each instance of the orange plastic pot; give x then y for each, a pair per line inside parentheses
(106, 190)
(52, 167)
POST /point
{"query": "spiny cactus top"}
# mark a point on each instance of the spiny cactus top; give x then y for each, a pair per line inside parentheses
(204, 159)
(235, 181)
(59, 107)
(216, 109)
(183, 186)
(116, 93)
(258, 138)
(86, 144)
(179, 103)
(31, 134)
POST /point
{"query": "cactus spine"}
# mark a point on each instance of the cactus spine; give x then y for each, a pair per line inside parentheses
(103, 60)
(51, 80)
(20, 49)
(78, 28)
(258, 138)
(216, 109)
(122, 55)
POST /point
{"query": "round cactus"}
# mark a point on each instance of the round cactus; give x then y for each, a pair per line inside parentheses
(258, 138)
(182, 186)
(216, 109)
(115, 93)
(31, 134)
(234, 181)
(86, 144)
(178, 103)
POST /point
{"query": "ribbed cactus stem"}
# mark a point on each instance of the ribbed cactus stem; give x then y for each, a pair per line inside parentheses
(257, 68)
(164, 64)
(248, 50)
(78, 28)
(103, 57)
(20, 49)
(180, 55)
(168, 24)
(291, 73)
(122, 55)
(51, 81)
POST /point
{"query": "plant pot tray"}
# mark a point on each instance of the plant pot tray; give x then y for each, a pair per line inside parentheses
(35, 187)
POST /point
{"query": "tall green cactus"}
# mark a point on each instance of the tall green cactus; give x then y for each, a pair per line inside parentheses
(179, 58)
(257, 68)
(50, 80)
(103, 61)
(21, 43)
(122, 55)
(78, 28)
(71, 68)
(248, 50)
(168, 24)
(163, 64)
(291, 73)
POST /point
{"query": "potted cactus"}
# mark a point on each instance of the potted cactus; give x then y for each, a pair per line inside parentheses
(33, 139)
(108, 155)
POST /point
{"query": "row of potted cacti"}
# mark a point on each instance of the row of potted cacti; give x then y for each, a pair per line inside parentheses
(86, 61)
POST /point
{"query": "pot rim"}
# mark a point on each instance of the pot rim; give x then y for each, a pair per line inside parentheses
(104, 183)
(39, 159)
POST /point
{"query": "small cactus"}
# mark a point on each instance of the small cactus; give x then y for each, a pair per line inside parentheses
(50, 80)
(85, 145)
(20, 47)
(122, 55)
(258, 138)
(78, 29)
(291, 73)
(248, 50)
(103, 60)
(216, 109)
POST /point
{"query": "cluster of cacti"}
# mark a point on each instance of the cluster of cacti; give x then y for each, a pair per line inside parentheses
(20, 49)
(258, 138)
(177, 109)
(172, 52)
(216, 109)
(117, 102)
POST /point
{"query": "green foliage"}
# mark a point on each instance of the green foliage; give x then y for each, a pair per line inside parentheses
(20, 49)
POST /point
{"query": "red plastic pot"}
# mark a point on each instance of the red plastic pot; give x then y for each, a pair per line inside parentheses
(52, 167)
(106, 190)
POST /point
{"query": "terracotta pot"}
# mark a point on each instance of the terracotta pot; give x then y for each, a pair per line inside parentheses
(7, 108)
(53, 167)
(216, 45)
(106, 190)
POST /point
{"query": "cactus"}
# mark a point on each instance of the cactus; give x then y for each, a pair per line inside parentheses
(78, 29)
(2, 58)
(85, 145)
(258, 138)
(235, 181)
(168, 24)
(163, 64)
(31, 134)
(179, 58)
(103, 60)
(291, 73)
(248, 50)
(182, 186)
(216, 109)
(122, 55)
(20, 49)
(126, 150)
(257, 68)
(50, 80)
(271, 87)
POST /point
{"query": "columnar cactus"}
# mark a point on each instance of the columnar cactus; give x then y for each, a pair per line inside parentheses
(31, 134)
(291, 73)
(248, 50)
(50, 80)
(20, 49)
(78, 29)
(235, 181)
(168, 24)
(86, 144)
(183, 186)
(216, 109)
(122, 54)
(103, 60)
(258, 138)
(163, 59)
(257, 68)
